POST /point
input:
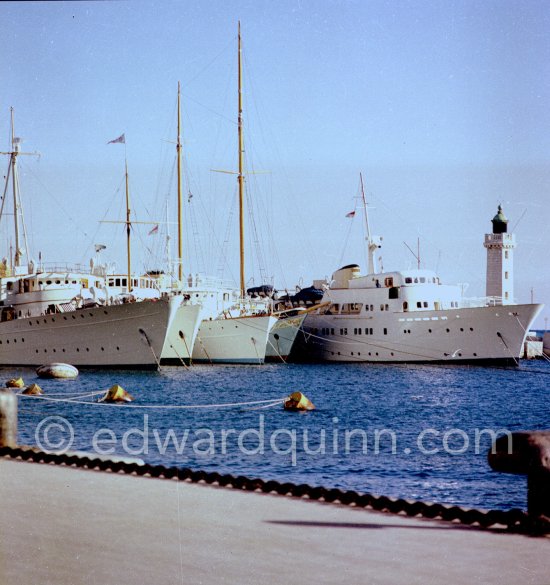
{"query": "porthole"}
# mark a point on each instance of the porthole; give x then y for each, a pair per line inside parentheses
(82, 315)
(447, 330)
(7, 341)
(462, 329)
(102, 349)
(54, 350)
(45, 320)
(117, 348)
(475, 354)
(63, 350)
(106, 313)
(91, 314)
(429, 330)
(65, 317)
(276, 336)
(36, 351)
(77, 349)
(471, 328)
(73, 316)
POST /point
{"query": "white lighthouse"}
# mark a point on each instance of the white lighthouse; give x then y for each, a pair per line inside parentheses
(500, 261)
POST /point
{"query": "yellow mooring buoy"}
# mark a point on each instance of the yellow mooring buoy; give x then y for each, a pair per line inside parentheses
(298, 401)
(15, 383)
(33, 390)
(116, 393)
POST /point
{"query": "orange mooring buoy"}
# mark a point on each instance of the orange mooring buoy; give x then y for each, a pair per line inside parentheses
(298, 401)
(33, 390)
(116, 393)
(15, 383)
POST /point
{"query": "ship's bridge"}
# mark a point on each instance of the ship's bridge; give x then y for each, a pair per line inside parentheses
(393, 279)
(401, 291)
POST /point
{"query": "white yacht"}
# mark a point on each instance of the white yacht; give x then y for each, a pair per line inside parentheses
(283, 334)
(51, 314)
(411, 316)
(185, 315)
(44, 319)
(232, 330)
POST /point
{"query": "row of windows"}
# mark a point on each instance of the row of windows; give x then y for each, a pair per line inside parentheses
(359, 353)
(344, 331)
(421, 280)
(351, 308)
(28, 285)
(22, 340)
(141, 282)
(392, 354)
(73, 315)
(77, 349)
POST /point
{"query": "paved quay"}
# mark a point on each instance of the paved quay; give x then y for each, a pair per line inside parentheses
(60, 525)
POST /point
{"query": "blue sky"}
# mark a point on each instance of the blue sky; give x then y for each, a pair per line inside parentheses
(442, 105)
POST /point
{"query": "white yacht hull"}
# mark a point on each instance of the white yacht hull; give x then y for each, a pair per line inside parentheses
(492, 334)
(282, 337)
(236, 340)
(128, 335)
(182, 332)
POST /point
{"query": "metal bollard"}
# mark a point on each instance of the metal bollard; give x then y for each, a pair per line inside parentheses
(527, 453)
(8, 418)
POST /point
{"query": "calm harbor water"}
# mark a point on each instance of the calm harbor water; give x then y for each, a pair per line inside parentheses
(418, 432)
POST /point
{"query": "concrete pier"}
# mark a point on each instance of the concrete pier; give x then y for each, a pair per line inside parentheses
(74, 526)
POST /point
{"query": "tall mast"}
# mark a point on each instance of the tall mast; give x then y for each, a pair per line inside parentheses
(180, 203)
(365, 206)
(128, 225)
(371, 245)
(241, 175)
(15, 151)
(17, 209)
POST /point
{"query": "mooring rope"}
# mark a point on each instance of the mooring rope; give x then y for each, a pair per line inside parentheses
(157, 360)
(268, 403)
(68, 397)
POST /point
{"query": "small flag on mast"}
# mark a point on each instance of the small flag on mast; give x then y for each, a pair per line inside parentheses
(154, 230)
(350, 214)
(121, 139)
